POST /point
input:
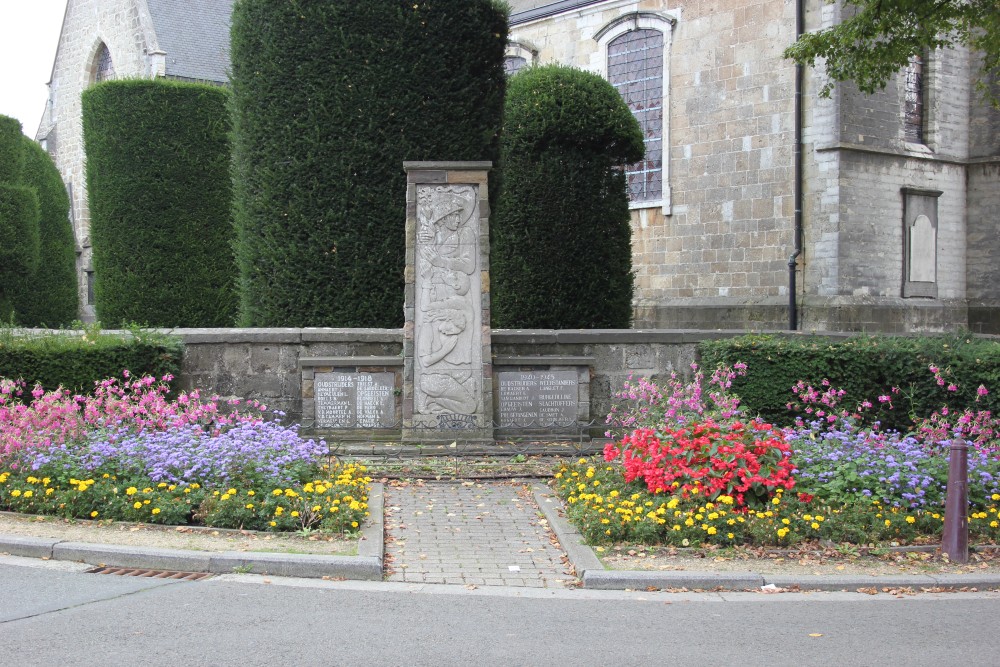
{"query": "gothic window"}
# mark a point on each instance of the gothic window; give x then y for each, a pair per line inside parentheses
(514, 64)
(635, 69)
(105, 68)
(913, 101)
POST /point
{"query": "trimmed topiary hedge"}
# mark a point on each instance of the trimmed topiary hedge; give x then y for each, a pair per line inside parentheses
(52, 291)
(18, 222)
(866, 367)
(329, 99)
(160, 202)
(561, 253)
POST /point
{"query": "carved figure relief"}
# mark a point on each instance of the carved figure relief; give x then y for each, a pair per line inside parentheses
(447, 324)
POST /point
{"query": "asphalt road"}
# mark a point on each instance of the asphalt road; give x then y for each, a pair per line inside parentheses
(53, 613)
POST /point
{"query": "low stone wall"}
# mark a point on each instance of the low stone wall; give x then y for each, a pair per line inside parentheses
(263, 364)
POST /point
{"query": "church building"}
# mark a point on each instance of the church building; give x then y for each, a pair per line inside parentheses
(759, 205)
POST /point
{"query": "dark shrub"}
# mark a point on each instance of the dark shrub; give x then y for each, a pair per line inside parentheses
(160, 202)
(329, 99)
(561, 240)
(52, 292)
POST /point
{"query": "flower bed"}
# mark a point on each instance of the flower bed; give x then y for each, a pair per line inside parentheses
(687, 468)
(130, 453)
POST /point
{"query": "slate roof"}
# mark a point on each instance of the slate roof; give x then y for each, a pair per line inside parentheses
(195, 37)
(528, 10)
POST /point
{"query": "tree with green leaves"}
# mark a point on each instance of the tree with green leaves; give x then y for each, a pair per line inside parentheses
(878, 38)
(329, 100)
(561, 242)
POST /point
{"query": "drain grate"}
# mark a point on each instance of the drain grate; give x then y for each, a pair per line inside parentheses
(150, 574)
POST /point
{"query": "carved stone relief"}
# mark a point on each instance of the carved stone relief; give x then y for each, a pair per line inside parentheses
(448, 314)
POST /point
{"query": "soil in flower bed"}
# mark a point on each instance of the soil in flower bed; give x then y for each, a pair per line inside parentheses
(173, 537)
(809, 560)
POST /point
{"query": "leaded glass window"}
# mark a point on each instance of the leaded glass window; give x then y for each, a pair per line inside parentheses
(105, 67)
(635, 69)
(913, 101)
(514, 64)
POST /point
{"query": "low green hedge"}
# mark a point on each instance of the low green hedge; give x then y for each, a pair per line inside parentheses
(76, 360)
(866, 367)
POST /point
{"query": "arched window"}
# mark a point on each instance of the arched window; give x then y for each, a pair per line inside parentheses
(104, 68)
(635, 49)
(635, 69)
(519, 55)
(514, 64)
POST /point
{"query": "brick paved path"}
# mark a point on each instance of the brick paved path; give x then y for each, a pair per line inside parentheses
(473, 533)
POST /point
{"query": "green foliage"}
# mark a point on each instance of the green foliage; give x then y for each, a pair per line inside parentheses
(76, 360)
(329, 99)
(18, 222)
(51, 290)
(561, 241)
(18, 244)
(160, 202)
(877, 40)
(11, 158)
(866, 367)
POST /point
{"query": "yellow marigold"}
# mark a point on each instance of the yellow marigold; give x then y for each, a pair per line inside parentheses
(910, 519)
(711, 530)
(161, 485)
(814, 525)
(156, 510)
(137, 505)
(249, 506)
(28, 494)
(888, 522)
(93, 515)
(295, 513)
(15, 493)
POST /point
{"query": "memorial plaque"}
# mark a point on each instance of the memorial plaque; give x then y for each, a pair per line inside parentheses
(355, 400)
(537, 398)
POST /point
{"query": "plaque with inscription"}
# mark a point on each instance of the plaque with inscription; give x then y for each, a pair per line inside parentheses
(355, 400)
(537, 398)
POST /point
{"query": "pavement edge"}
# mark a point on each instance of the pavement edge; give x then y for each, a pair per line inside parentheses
(366, 566)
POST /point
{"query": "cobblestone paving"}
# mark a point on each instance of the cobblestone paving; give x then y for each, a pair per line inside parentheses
(472, 533)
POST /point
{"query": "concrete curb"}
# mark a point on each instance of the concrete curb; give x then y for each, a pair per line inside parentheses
(366, 566)
(594, 575)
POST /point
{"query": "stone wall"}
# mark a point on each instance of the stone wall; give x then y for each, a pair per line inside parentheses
(263, 364)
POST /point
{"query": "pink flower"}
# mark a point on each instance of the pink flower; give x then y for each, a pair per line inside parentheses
(982, 391)
(952, 387)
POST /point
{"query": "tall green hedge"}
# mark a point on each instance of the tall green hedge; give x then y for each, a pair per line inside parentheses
(52, 291)
(329, 99)
(866, 367)
(561, 240)
(19, 236)
(160, 202)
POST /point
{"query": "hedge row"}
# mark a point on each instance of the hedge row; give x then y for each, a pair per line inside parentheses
(329, 99)
(160, 202)
(561, 247)
(866, 367)
(75, 361)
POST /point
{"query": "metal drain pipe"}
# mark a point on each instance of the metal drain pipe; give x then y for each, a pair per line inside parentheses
(793, 310)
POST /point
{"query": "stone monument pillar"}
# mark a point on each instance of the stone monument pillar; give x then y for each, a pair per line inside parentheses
(447, 365)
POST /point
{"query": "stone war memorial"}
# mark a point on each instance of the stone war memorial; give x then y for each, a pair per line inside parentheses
(448, 385)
